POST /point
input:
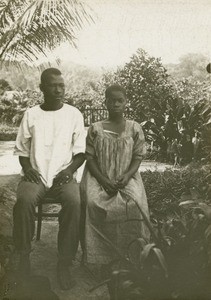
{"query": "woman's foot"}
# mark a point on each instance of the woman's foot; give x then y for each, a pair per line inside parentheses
(63, 275)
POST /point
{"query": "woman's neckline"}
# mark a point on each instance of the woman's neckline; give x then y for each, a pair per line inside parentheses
(114, 132)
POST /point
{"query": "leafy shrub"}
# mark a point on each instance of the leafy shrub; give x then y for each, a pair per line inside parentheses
(8, 133)
(176, 263)
(164, 189)
(176, 266)
(167, 109)
(14, 103)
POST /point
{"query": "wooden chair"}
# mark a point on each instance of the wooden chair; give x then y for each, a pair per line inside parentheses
(40, 214)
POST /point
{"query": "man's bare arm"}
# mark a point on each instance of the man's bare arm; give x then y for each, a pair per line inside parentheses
(30, 174)
(66, 175)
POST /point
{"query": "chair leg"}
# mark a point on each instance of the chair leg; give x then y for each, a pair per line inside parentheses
(82, 231)
(39, 221)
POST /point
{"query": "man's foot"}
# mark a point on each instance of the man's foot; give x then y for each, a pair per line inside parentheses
(24, 268)
(63, 276)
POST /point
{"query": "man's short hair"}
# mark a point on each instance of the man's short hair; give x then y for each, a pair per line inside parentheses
(48, 72)
(114, 87)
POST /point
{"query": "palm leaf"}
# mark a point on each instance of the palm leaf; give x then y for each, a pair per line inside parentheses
(150, 248)
(39, 26)
(161, 260)
(145, 252)
(9, 9)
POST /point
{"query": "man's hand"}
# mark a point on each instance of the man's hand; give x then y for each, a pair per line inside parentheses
(32, 175)
(63, 177)
(109, 186)
(122, 181)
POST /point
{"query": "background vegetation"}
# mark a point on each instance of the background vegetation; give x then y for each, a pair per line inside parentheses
(172, 103)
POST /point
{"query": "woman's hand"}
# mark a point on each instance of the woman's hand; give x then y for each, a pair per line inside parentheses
(109, 186)
(122, 181)
(105, 182)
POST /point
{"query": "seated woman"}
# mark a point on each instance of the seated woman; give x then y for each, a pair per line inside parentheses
(111, 185)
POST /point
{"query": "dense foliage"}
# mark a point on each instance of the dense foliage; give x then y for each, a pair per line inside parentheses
(146, 83)
(165, 189)
(7, 132)
(14, 103)
(175, 263)
(168, 109)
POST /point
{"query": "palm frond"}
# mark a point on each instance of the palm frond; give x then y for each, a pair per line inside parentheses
(9, 10)
(39, 26)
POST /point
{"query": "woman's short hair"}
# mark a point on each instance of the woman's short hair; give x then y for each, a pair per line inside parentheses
(114, 87)
(48, 72)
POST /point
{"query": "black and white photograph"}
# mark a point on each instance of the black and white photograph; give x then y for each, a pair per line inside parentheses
(105, 149)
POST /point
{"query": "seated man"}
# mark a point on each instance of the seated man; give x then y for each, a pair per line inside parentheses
(50, 145)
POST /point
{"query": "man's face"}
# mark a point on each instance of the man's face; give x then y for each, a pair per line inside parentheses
(116, 102)
(53, 88)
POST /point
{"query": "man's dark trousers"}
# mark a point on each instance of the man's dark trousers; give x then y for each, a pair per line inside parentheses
(28, 196)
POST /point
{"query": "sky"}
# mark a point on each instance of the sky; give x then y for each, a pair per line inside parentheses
(164, 28)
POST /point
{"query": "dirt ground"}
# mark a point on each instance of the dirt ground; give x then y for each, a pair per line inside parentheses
(9, 180)
(44, 254)
(44, 258)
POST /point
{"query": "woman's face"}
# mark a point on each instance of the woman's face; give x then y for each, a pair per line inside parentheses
(116, 102)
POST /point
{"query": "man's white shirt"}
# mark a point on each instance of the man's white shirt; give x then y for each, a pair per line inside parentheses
(50, 139)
